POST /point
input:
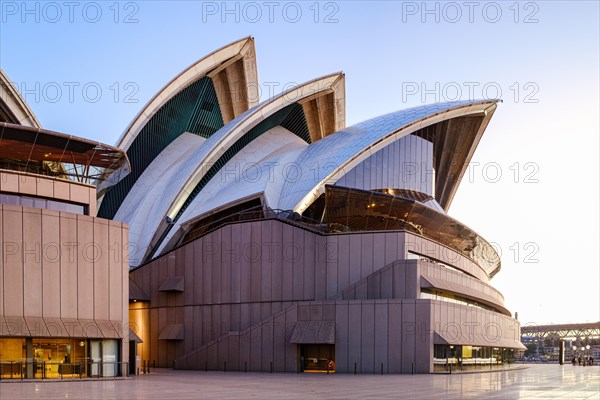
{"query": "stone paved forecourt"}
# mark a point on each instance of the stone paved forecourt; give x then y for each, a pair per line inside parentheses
(533, 382)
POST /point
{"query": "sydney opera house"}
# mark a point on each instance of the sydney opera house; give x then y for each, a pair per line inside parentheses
(262, 236)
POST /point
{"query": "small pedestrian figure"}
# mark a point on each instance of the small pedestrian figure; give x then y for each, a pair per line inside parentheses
(591, 360)
(574, 360)
(579, 360)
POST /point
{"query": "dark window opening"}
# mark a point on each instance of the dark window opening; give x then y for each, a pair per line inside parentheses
(43, 203)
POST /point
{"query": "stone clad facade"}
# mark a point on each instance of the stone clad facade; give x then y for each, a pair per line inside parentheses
(64, 286)
(250, 287)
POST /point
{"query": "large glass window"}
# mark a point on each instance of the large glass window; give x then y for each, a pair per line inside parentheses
(465, 357)
(53, 358)
(110, 357)
(57, 357)
(11, 355)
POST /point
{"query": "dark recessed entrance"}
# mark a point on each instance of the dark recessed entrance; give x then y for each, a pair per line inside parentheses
(317, 357)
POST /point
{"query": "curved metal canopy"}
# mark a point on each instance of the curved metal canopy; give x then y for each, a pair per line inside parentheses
(349, 210)
(62, 156)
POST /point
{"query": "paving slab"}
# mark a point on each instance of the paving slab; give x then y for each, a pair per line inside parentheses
(536, 382)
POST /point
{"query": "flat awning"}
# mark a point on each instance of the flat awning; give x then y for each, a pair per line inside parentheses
(90, 329)
(172, 284)
(314, 332)
(462, 290)
(119, 328)
(134, 337)
(37, 327)
(13, 326)
(136, 292)
(172, 332)
(65, 156)
(74, 327)
(107, 329)
(57, 327)
(448, 338)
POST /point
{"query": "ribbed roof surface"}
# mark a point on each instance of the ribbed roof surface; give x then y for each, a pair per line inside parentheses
(335, 151)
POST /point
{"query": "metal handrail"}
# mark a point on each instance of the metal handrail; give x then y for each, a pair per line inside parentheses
(83, 369)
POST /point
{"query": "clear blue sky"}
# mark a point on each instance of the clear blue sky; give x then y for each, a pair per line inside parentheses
(542, 58)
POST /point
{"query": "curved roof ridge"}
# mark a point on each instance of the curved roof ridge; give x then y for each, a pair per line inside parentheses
(450, 104)
(199, 96)
(216, 146)
(195, 71)
(19, 107)
(338, 153)
(218, 143)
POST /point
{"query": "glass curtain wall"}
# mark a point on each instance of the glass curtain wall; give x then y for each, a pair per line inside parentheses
(464, 358)
(54, 358)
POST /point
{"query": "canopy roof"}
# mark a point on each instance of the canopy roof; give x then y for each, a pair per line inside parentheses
(349, 209)
(63, 156)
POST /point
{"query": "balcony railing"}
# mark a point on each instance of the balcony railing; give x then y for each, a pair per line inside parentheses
(60, 370)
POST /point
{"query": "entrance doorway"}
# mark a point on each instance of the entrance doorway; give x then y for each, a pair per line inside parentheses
(317, 357)
(104, 357)
(132, 356)
(95, 357)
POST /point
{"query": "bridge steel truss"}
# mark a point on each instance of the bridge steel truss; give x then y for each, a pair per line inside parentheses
(562, 331)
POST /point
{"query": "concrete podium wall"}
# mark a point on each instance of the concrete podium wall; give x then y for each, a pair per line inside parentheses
(58, 266)
(244, 281)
